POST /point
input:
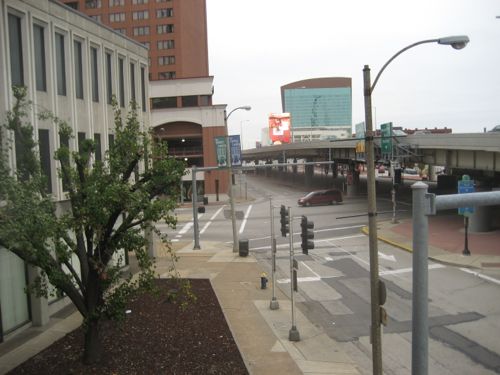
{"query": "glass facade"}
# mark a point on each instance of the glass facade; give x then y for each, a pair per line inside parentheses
(319, 107)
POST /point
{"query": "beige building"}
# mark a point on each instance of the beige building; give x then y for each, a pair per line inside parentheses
(71, 65)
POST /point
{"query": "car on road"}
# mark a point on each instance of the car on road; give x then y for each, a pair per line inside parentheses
(329, 196)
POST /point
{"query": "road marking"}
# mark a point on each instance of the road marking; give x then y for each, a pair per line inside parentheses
(407, 270)
(309, 268)
(329, 259)
(481, 276)
(242, 227)
(299, 279)
(340, 238)
(391, 258)
(341, 228)
(186, 227)
(211, 219)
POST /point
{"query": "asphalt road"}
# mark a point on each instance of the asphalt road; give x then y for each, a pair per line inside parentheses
(334, 290)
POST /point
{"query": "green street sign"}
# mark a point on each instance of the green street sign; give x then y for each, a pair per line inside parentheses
(386, 142)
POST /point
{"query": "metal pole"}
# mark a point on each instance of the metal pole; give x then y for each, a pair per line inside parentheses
(375, 335)
(393, 195)
(194, 198)
(274, 305)
(466, 244)
(420, 324)
(293, 334)
(230, 189)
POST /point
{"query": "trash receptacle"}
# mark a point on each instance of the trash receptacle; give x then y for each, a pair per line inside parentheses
(243, 246)
(201, 209)
(205, 200)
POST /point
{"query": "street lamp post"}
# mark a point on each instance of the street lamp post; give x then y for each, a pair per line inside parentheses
(457, 42)
(230, 167)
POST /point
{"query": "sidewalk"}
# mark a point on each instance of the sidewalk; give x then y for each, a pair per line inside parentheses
(446, 241)
(260, 333)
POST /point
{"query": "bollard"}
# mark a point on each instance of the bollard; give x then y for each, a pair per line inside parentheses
(263, 281)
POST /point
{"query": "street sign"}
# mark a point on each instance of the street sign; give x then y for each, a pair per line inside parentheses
(235, 146)
(465, 185)
(221, 150)
(386, 143)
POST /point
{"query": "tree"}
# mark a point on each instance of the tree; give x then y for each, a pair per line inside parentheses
(113, 203)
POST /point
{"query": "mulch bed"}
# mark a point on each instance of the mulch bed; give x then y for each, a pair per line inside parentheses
(157, 337)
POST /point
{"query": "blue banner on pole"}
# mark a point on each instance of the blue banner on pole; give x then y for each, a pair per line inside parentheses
(235, 146)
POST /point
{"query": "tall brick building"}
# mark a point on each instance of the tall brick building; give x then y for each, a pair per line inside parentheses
(175, 31)
(182, 114)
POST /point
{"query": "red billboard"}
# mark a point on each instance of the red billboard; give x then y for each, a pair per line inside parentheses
(279, 128)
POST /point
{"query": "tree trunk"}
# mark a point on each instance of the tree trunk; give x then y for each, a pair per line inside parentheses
(92, 350)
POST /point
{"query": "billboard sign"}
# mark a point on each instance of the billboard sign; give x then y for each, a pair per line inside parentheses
(221, 151)
(279, 128)
(235, 146)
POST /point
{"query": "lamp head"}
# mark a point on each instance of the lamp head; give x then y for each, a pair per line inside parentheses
(246, 108)
(457, 41)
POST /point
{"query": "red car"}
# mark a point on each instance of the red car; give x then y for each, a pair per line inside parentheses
(329, 196)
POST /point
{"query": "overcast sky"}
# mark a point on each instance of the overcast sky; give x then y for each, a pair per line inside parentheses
(257, 46)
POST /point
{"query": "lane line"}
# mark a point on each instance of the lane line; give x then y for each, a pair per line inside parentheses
(408, 270)
(211, 219)
(309, 268)
(242, 227)
(186, 227)
(481, 276)
(341, 228)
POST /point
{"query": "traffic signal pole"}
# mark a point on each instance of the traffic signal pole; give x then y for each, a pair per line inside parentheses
(274, 305)
(293, 334)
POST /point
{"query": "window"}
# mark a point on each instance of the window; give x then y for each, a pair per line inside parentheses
(77, 46)
(64, 142)
(132, 81)
(81, 139)
(165, 44)
(95, 74)
(111, 140)
(98, 149)
(141, 30)
(40, 69)
(163, 1)
(165, 102)
(190, 101)
(162, 13)
(73, 4)
(60, 65)
(121, 31)
(16, 51)
(92, 4)
(166, 60)
(143, 89)
(205, 99)
(117, 17)
(166, 75)
(96, 17)
(139, 1)
(140, 15)
(165, 29)
(145, 44)
(109, 79)
(121, 83)
(44, 147)
(116, 3)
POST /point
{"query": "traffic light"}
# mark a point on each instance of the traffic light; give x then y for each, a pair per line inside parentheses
(285, 221)
(306, 234)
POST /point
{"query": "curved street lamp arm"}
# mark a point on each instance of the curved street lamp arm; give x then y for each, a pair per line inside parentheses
(396, 55)
(245, 107)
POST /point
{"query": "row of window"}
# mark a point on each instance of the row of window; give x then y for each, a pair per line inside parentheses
(185, 101)
(160, 29)
(46, 159)
(95, 4)
(137, 15)
(60, 45)
(166, 60)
